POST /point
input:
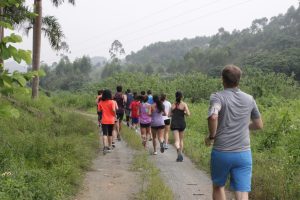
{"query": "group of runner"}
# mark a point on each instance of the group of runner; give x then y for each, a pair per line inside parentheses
(153, 115)
(232, 113)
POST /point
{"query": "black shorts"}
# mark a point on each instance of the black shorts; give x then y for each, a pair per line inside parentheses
(145, 125)
(107, 129)
(158, 127)
(120, 116)
(178, 129)
(167, 122)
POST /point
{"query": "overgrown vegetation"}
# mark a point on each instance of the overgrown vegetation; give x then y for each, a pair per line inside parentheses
(43, 152)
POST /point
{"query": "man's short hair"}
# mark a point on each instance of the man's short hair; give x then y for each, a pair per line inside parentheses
(119, 88)
(149, 92)
(231, 75)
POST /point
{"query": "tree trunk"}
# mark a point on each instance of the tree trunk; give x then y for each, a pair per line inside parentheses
(36, 48)
(1, 30)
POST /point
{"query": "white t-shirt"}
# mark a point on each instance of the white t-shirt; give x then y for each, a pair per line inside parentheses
(168, 106)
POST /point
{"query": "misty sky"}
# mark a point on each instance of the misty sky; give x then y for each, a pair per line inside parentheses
(92, 25)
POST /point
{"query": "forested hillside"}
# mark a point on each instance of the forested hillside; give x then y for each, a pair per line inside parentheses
(160, 53)
(269, 44)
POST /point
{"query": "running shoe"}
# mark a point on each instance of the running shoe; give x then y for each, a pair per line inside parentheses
(113, 145)
(155, 153)
(109, 150)
(162, 148)
(166, 146)
(179, 158)
(150, 139)
(104, 150)
(119, 138)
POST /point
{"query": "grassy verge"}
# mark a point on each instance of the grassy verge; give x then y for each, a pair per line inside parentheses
(44, 152)
(153, 187)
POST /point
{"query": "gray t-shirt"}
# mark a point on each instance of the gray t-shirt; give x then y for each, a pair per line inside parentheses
(235, 109)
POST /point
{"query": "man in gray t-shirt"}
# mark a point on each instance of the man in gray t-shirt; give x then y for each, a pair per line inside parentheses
(231, 114)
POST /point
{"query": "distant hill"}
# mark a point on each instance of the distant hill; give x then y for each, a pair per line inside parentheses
(163, 52)
(98, 61)
(13, 66)
(268, 44)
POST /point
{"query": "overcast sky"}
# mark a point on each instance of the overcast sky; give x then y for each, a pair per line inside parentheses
(92, 25)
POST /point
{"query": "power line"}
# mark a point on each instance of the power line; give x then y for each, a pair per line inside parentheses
(186, 22)
(135, 22)
(192, 20)
(161, 22)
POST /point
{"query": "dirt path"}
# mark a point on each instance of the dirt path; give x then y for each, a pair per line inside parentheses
(110, 177)
(184, 179)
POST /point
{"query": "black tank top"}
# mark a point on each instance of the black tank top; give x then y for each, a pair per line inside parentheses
(178, 120)
(120, 102)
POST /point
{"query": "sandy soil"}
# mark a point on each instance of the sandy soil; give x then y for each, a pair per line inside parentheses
(110, 177)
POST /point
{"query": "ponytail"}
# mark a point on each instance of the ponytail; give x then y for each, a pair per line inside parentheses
(159, 105)
(178, 96)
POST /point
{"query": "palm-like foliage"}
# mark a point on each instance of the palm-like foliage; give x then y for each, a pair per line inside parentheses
(37, 28)
(59, 2)
(52, 30)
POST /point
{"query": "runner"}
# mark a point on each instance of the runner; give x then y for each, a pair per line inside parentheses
(129, 97)
(145, 119)
(115, 129)
(121, 100)
(98, 96)
(134, 107)
(150, 97)
(108, 108)
(231, 114)
(157, 123)
(167, 119)
(178, 110)
(98, 99)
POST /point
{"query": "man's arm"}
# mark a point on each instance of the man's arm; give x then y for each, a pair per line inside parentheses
(124, 99)
(213, 113)
(256, 121)
(256, 124)
(212, 128)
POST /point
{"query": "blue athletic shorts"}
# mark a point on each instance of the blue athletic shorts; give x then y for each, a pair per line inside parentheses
(135, 120)
(236, 164)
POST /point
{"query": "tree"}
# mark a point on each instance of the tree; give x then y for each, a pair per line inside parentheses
(36, 49)
(11, 82)
(116, 50)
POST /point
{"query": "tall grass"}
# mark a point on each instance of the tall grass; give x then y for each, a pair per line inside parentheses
(43, 153)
